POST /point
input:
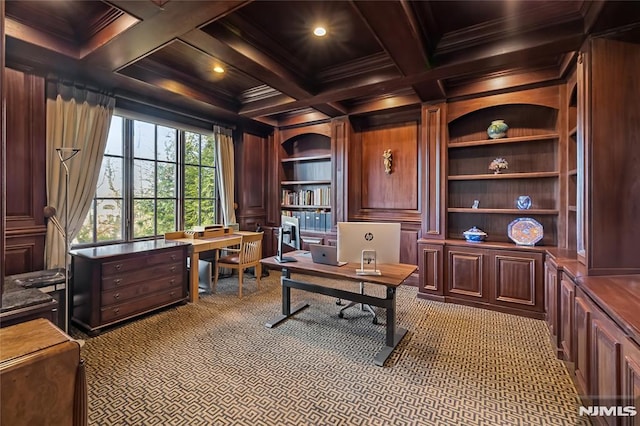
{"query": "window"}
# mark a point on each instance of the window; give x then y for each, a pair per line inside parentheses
(199, 180)
(154, 179)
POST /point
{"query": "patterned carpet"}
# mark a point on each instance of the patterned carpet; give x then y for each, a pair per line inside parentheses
(214, 363)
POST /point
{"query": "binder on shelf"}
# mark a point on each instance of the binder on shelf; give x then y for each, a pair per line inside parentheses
(326, 223)
(308, 220)
(300, 217)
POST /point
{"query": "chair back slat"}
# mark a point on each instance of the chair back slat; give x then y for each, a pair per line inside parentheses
(251, 248)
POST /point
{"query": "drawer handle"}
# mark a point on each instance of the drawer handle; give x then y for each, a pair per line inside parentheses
(116, 310)
(173, 269)
(117, 281)
(172, 282)
(116, 296)
(174, 257)
(118, 267)
(172, 293)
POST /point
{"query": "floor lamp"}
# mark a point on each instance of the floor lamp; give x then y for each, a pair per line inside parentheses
(66, 154)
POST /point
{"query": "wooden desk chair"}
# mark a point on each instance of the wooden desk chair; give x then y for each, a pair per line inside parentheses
(247, 256)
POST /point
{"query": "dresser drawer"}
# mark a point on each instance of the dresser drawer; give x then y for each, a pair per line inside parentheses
(139, 262)
(141, 305)
(149, 273)
(140, 289)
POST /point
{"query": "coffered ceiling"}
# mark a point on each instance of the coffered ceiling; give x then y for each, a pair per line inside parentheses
(376, 55)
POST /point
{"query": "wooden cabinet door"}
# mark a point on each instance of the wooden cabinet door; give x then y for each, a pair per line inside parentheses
(631, 381)
(467, 273)
(517, 279)
(551, 300)
(430, 267)
(606, 346)
(583, 310)
(567, 292)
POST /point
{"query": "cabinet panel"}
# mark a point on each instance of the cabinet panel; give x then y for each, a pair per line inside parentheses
(430, 267)
(582, 317)
(409, 246)
(25, 186)
(567, 292)
(253, 190)
(466, 273)
(517, 278)
(551, 300)
(489, 275)
(607, 132)
(433, 178)
(631, 380)
(605, 369)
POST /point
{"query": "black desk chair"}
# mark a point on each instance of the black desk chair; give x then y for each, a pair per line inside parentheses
(363, 306)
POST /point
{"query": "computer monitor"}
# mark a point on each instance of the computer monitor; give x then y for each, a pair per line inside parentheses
(354, 237)
(288, 236)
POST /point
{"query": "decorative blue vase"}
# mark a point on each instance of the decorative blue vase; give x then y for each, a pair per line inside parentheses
(523, 202)
(497, 129)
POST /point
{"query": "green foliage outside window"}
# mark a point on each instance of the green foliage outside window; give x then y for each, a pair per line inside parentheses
(154, 181)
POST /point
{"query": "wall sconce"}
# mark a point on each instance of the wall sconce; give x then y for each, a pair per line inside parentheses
(387, 159)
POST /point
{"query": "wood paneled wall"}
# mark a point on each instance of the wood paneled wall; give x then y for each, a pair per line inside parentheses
(612, 155)
(252, 162)
(374, 194)
(25, 160)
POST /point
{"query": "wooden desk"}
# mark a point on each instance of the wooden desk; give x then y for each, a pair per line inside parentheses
(392, 276)
(200, 245)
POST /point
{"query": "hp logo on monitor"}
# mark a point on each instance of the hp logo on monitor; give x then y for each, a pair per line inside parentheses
(368, 236)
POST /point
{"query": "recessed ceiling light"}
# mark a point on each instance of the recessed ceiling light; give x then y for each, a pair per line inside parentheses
(320, 31)
(218, 69)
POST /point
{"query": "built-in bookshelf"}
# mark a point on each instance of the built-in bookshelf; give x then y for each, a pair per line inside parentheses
(306, 181)
(531, 150)
(572, 165)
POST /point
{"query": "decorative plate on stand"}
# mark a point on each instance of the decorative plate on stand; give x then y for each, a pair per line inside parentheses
(525, 231)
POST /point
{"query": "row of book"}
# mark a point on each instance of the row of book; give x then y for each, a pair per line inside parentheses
(307, 197)
(311, 221)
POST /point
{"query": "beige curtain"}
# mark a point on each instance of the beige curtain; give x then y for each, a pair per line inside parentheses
(225, 173)
(76, 118)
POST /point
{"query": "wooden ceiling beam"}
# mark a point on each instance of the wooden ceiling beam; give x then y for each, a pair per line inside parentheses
(228, 47)
(236, 52)
(511, 56)
(174, 18)
(401, 41)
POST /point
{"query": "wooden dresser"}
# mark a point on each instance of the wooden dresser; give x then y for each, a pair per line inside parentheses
(118, 282)
(42, 378)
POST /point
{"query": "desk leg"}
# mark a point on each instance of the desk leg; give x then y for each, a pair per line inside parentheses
(286, 301)
(394, 334)
(193, 276)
